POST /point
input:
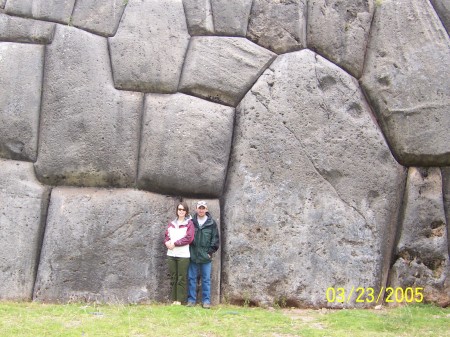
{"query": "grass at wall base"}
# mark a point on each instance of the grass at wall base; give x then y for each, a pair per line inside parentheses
(81, 319)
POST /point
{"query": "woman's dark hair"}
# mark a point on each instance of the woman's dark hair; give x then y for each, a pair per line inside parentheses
(185, 206)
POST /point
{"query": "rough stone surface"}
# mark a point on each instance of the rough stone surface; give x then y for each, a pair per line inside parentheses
(278, 25)
(104, 245)
(89, 131)
(222, 69)
(214, 210)
(339, 31)
(49, 10)
(407, 79)
(421, 256)
(442, 8)
(24, 30)
(21, 67)
(231, 16)
(148, 50)
(2, 3)
(199, 17)
(99, 17)
(23, 203)
(185, 145)
(302, 212)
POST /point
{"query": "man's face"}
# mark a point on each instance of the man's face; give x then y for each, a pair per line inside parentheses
(201, 211)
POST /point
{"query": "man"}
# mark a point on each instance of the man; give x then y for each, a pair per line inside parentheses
(205, 244)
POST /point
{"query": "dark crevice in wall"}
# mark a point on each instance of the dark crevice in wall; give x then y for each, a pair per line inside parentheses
(45, 204)
(141, 131)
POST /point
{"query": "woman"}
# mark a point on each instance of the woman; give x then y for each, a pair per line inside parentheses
(179, 234)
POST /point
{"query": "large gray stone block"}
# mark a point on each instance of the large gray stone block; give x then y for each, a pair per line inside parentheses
(231, 16)
(278, 25)
(23, 206)
(442, 8)
(89, 131)
(99, 17)
(185, 145)
(421, 256)
(312, 191)
(25, 30)
(199, 17)
(21, 67)
(147, 53)
(407, 79)
(104, 245)
(222, 69)
(339, 30)
(49, 10)
(216, 269)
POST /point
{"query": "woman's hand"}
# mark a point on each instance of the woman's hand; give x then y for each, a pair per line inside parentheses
(170, 245)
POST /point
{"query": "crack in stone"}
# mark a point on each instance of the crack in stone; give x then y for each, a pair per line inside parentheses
(321, 175)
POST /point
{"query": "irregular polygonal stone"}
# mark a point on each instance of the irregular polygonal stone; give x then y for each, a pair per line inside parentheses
(278, 25)
(104, 245)
(223, 69)
(199, 17)
(407, 79)
(339, 30)
(442, 7)
(99, 17)
(147, 53)
(89, 131)
(185, 145)
(231, 16)
(421, 255)
(312, 190)
(214, 210)
(21, 67)
(24, 30)
(23, 205)
(49, 10)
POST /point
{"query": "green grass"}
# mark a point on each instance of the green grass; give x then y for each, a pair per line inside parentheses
(35, 319)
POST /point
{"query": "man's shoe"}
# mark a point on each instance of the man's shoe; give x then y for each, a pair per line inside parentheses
(206, 306)
(190, 304)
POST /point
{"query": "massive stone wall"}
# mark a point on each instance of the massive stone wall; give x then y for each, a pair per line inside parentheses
(319, 131)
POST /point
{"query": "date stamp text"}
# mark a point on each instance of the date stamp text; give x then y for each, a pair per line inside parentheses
(370, 295)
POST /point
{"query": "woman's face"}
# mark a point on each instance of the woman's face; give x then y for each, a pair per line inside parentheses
(181, 211)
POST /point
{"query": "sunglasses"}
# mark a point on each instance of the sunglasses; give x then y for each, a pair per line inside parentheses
(181, 209)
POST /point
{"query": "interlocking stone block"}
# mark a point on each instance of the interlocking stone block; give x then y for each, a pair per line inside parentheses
(17, 29)
(185, 145)
(407, 79)
(147, 53)
(421, 256)
(222, 69)
(231, 16)
(89, 131)
(278, 25)
(23, 206)
(99, 17)
(105, 245)
(339, 30)
(199, 17)
(312, 191)
(49, 10)
(21, 68)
